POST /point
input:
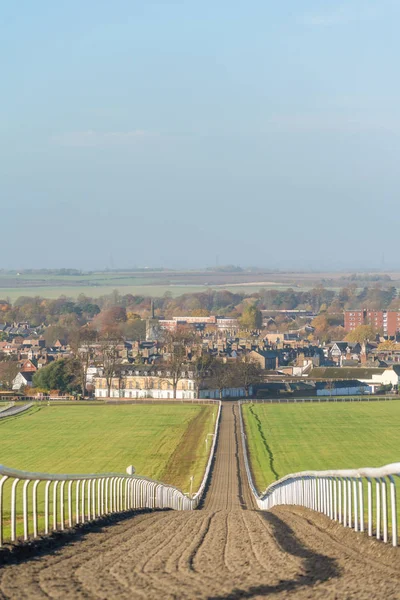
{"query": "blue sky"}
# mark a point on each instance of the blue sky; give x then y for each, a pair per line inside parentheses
(167, 133)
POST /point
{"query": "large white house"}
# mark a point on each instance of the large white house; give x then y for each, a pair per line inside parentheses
(158, 384)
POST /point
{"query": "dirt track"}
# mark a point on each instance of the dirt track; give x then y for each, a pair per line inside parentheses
(226, 550)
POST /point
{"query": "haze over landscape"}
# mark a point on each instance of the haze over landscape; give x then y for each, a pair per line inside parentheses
(199, 299)
(172, 133)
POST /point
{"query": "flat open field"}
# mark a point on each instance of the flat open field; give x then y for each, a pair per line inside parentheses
(155, 283)
(98, 439)
(285, 439)
(163, 442)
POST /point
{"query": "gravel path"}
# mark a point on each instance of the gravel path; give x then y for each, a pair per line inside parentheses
(226, 550)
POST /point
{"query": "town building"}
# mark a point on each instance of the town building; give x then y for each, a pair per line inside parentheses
(375, 378)
(385, 321)
(144, 384)
(22, 380)
(226, 324)
(158, 384)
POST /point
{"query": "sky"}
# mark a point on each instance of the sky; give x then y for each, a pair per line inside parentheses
(183, 134)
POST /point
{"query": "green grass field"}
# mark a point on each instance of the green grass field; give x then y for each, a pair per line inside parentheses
(163, 442)
(85, 439)
(289, 438)
(285, 439)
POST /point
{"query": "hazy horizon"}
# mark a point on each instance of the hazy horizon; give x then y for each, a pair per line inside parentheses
(186, 135)
(222, 269)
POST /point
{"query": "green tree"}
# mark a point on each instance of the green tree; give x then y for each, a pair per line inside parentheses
(251, 318)
(58, 375)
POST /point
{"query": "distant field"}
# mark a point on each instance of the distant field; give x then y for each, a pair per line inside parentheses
(156, 291)
(157, 283)
(96, 291)
(285, 439)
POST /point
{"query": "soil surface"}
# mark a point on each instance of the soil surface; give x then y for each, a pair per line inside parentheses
(226, 550)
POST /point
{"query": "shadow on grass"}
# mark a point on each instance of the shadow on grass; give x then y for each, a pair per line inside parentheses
(265, 443)
(317, 567)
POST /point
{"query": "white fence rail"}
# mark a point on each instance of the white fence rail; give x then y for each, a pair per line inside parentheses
(362, 499)
(11, 411)
(321, 399)
(50, 502)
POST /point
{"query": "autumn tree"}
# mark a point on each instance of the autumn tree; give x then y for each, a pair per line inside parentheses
(362, 333)
(337, 333)
(388, 345)
(200, 312)
(251, 318)
(54, 333)
(134, 329)
(110, 320)
(321, 325)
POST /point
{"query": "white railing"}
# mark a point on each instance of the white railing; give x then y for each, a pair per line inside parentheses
(321, 399)
(55, 502)
(356, 498)
(14, 410)
(199, 494)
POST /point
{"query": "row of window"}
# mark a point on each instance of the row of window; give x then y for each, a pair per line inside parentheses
(155, 385)
(157, 373)
(137, 394)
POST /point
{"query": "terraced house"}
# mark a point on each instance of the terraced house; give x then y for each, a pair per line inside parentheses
(145, 384)
(159, 384)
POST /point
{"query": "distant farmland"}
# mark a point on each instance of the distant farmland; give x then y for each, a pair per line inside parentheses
(157, 283)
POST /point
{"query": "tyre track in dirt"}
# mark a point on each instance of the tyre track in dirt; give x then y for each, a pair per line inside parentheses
(226, 550)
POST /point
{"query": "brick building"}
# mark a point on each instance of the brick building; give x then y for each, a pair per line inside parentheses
(386, 321)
